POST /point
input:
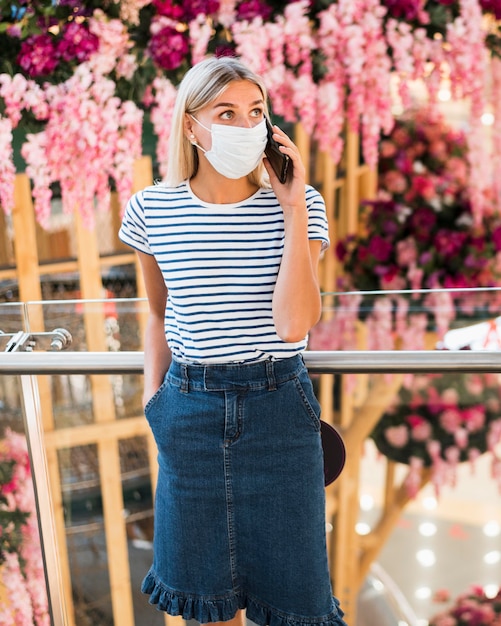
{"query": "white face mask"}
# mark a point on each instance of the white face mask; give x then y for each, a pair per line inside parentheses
(236, 150)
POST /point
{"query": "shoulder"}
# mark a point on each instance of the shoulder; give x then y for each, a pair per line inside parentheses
(162, 192)
(313, 195)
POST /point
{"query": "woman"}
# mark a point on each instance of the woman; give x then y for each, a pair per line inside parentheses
(229, 257)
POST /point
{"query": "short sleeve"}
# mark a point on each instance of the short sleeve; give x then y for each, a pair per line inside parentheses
(318, 227)
(133, 228)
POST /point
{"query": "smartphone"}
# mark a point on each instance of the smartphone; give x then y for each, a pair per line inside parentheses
(280, 162)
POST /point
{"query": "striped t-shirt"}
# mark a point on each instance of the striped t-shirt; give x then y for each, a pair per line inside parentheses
(220, 264)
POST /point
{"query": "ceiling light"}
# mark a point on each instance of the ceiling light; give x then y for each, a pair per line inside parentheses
(430, 503)
(492, 529)
(426, 558)
(366, 502)
(423, 593)
(491, 591)
(427, 529)
(491, 558)
(362, 529)
(444, 95)
(487, 119)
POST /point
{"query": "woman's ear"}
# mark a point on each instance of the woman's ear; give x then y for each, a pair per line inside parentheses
(188, 128)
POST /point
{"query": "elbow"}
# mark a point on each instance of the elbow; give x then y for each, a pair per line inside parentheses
(294, 332)
(291, 336)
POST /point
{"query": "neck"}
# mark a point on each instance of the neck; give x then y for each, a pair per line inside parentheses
(221, 190)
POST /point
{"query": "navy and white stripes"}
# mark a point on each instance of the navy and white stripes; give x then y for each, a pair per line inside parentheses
(220, 264)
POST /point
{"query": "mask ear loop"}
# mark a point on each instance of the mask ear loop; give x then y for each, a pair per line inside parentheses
(192, 136)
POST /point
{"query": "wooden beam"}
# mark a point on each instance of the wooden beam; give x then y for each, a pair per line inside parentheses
(25, 241)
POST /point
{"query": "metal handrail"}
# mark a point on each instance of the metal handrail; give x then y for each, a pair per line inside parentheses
(30, 364)
(327, 362)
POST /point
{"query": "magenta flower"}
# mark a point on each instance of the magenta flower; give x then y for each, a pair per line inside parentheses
(197, 7)
(422, 221)
(38, 55)
(341, 250)
(168, 48)
(403, 9)
(224, 50)
(77, 43)
(496, 238)
(492, 6)
(449, 243)
(380, 248)
(167, 8)
(187, 10)
(249, 9)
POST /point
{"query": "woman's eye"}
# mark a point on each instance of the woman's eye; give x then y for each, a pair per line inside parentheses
(257, 112)
(226, 115)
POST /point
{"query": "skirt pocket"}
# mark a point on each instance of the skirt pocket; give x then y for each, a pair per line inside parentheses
(152, 401)
(308, 398)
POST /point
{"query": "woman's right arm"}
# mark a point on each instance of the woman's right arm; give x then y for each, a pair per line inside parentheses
(157, 354)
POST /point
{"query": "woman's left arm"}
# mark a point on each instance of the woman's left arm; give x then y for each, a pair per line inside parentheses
(297, 302)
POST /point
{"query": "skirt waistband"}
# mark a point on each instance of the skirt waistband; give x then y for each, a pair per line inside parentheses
(227, 376)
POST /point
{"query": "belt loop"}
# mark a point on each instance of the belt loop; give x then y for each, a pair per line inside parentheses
(185, 380)
(270, 375)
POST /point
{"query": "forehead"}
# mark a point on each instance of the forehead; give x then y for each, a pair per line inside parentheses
(239, 93)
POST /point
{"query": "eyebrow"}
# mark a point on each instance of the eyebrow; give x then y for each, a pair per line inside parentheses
(233, 106)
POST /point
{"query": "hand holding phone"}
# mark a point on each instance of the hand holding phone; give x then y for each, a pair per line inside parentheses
(280, 162)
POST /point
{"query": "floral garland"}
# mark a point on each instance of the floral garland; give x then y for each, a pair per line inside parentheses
(323, 62)
(441, 420)
(21, 569)
(470, 607)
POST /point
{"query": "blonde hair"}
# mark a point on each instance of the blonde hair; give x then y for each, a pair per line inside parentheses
(201, 85)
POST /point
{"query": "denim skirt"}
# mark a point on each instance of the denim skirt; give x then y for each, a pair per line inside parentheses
(240, 498)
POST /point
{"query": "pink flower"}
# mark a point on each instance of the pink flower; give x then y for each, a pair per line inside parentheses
(450, 420)
(390, 279)
(441, 595)
(387, 149)
(474, 384)
(407, 252)
(422, 186)
(461, 438)
(397, 436)
(7, 169)
(421, 431)
(474, 418)
(395, 182)
(450, 396)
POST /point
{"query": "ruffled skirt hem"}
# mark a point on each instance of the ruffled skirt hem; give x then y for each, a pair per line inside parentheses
(206, 609)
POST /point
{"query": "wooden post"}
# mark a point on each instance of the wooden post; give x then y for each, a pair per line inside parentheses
(303, 142)
(5, 247)
(25, 242)
(142, 177)
(104, 411)
(328, 275)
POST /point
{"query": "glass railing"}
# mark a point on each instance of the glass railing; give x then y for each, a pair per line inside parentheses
(71, 381)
